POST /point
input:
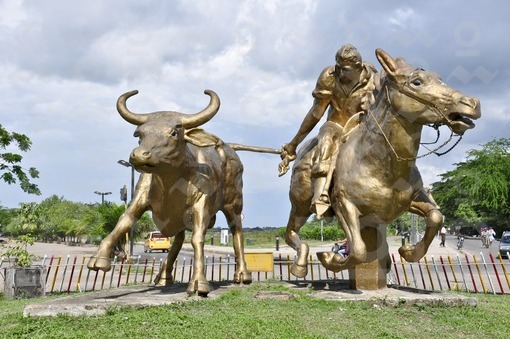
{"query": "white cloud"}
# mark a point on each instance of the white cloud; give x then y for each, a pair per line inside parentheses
(61, 74)
(12, 13)
(402, 17)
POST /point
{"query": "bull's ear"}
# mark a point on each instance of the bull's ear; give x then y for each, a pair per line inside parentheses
(200, 138)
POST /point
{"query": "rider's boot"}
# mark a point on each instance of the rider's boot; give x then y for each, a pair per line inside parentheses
(320, 201)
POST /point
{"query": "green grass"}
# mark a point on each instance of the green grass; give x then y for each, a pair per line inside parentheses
(238, 314)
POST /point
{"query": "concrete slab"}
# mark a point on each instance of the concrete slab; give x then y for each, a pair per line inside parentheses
(392, 295)
(98, 303)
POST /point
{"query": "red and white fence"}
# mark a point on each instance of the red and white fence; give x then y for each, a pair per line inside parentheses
(466, 273)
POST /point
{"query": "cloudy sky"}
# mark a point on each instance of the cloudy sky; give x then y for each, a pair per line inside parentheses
(63, 65)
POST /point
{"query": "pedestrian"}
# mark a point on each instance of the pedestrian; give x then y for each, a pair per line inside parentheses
(442, 233)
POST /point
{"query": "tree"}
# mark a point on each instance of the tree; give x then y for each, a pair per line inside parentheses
(28, 220)
(66, 219)
(111, 213)
(476, 192)
(6, 215)
(10, 169)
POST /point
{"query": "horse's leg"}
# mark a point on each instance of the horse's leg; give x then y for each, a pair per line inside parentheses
(241, 275)
(425, 206)
(349, 219)
(164, 277)
(299, 267)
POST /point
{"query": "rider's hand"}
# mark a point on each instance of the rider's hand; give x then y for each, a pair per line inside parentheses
(288, 151)
(288, 154)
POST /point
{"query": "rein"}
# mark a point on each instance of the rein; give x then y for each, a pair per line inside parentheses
(429, 104)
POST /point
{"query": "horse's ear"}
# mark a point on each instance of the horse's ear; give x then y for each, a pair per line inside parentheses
(387, 62)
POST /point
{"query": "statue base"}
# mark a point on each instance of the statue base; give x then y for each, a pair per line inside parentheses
(368, 276)
(372, 274)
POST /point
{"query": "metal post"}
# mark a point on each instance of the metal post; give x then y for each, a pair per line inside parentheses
(322, 229)
(132, 230)
(102, 194)
(277, 243)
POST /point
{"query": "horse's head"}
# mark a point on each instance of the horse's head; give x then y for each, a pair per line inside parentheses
(422, 97)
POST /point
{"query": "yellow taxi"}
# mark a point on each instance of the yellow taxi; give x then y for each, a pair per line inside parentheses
(156, 241)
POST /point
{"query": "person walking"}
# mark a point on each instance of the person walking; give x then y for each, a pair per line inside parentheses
(442, 233)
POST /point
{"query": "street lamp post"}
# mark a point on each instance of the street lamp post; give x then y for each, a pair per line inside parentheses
(102, 194)
(132, 230)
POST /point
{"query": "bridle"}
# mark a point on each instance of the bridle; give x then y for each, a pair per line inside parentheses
(434, 107)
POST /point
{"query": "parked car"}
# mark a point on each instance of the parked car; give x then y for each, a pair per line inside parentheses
(156, 241)
(504, 244)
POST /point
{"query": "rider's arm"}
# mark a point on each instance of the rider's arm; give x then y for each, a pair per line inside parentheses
(322, 95)
(310, 121)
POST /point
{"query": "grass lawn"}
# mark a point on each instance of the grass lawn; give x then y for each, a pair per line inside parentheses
(238, 314)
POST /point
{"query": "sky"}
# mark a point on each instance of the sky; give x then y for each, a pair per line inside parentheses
(63, 64)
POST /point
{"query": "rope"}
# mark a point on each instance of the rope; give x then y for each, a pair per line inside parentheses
(428, 104)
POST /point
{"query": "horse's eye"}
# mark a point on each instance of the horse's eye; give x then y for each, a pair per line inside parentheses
(417, 82)
(174, 133)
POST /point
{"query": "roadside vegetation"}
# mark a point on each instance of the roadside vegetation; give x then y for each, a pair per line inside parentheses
(239, 314)
(473, 195)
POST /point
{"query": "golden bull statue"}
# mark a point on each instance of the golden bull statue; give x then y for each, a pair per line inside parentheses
(373, 177)
(188, 175)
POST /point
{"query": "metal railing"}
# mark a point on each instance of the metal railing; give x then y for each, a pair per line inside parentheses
(461, 273)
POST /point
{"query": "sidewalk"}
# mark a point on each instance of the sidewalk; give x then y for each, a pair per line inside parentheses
(394, 242)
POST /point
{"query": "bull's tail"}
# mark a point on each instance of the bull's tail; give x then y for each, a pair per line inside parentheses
(239, 147)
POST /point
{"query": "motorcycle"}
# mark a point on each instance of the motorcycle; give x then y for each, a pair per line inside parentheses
(341, 249)
(460, 242)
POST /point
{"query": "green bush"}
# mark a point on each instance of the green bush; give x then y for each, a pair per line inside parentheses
(312, 231)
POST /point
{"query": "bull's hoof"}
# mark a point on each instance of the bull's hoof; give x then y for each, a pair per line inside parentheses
(99, 263)
(409, 253)
(242, 277)
(299, 271)
(162, 281)
(199, 287)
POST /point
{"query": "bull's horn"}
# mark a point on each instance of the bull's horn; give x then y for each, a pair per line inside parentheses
(134, 118)
(197, 119)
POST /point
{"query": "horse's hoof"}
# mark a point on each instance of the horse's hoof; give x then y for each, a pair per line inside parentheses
(334, 262)
(99, 263)
(325, 257)
(298, 270)
(409, 254)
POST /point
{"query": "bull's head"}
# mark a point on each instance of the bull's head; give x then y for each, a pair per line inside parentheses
(161, 134)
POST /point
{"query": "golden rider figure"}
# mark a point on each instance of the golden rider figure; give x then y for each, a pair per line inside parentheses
(347, 89)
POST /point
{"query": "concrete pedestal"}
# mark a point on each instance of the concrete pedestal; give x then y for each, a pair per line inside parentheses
(372, 274)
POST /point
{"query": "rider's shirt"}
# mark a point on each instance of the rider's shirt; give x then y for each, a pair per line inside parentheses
(344, 103)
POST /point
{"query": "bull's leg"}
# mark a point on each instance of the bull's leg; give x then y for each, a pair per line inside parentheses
(241, 274)
(198, 283)
(164, 277)
(299, 267)
(101, 259)
(425, 206)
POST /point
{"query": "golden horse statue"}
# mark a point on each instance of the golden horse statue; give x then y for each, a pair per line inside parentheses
(376, 179)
